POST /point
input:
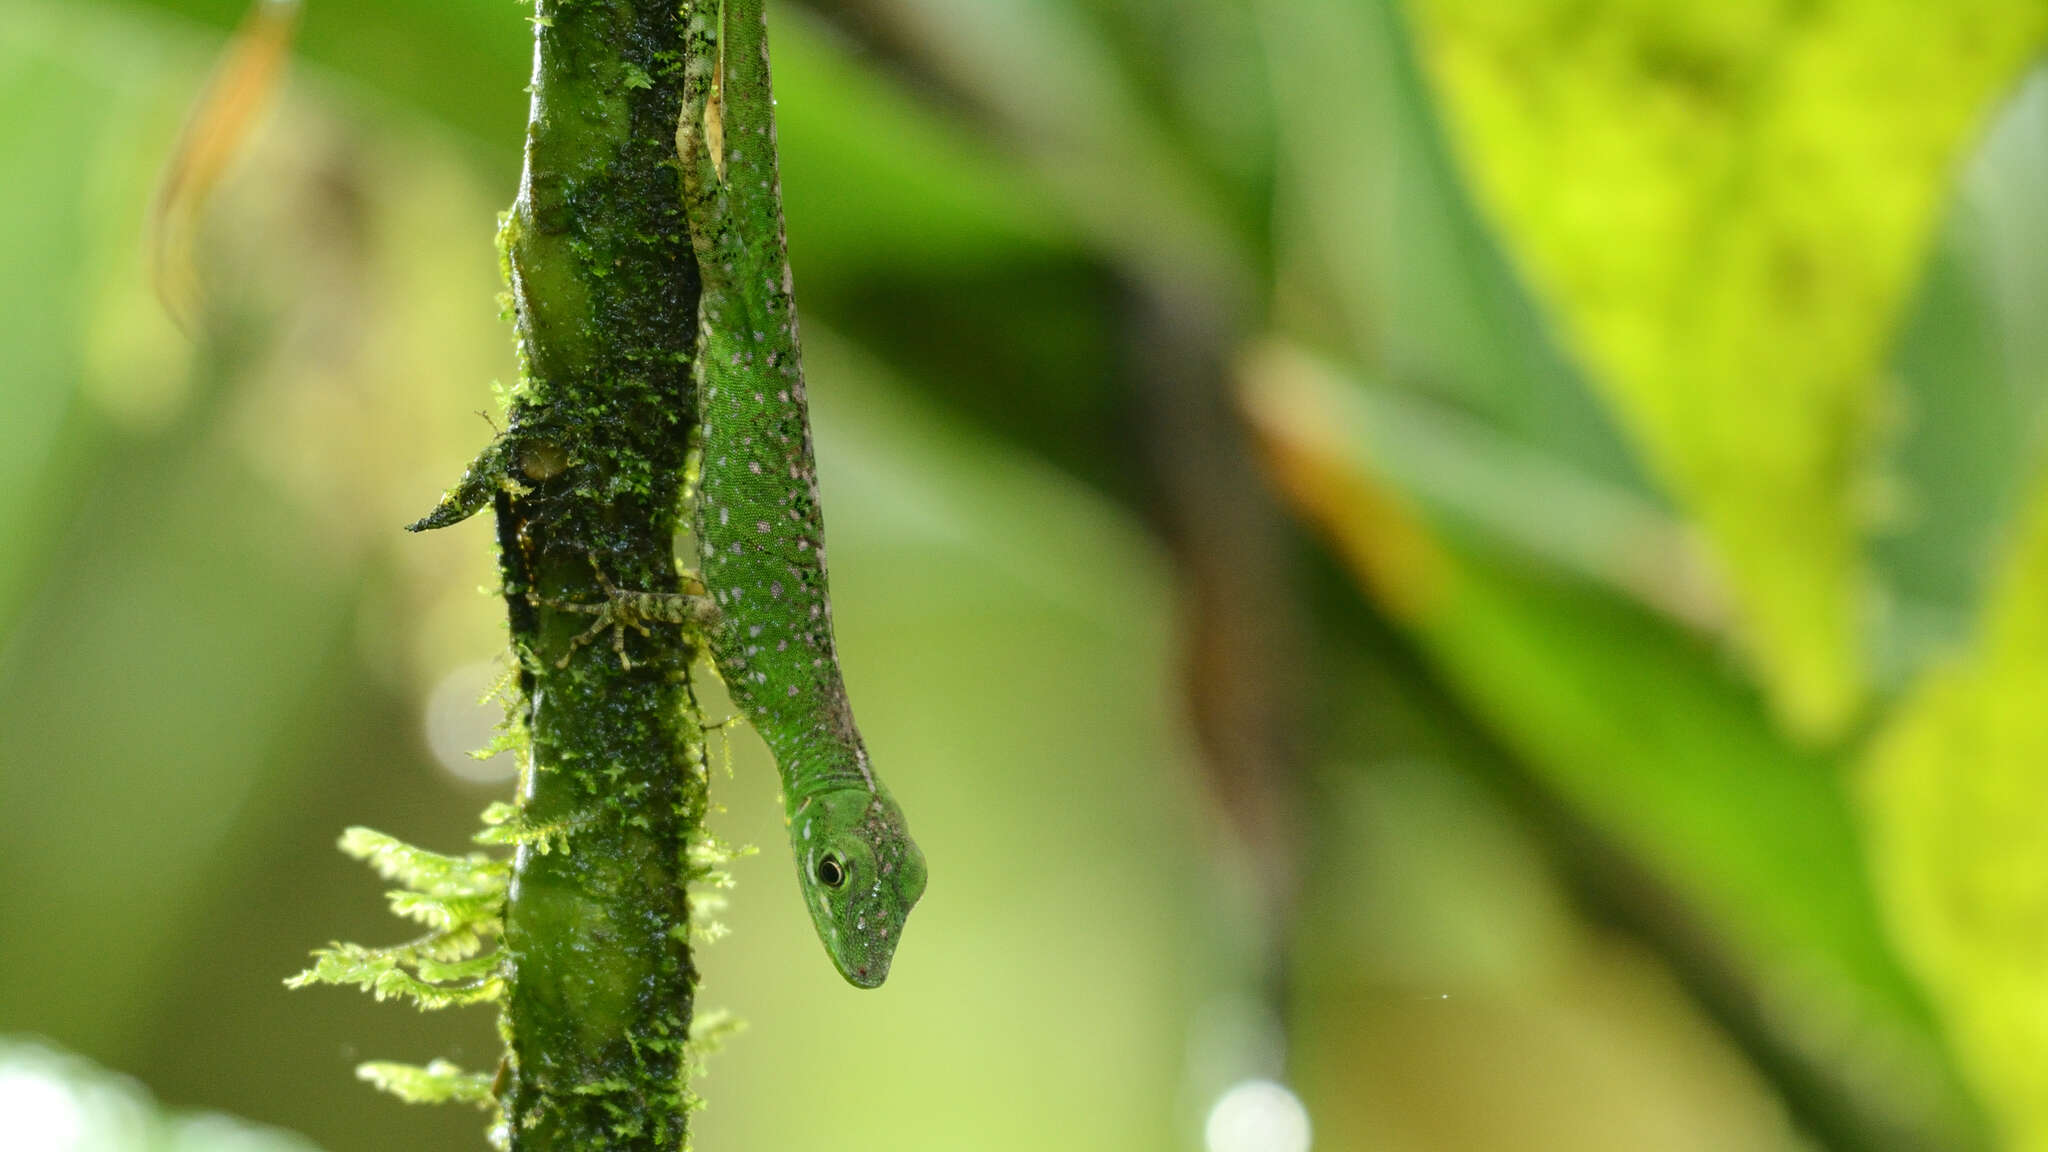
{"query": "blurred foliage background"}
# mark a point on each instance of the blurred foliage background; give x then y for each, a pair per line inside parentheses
(1482, 559)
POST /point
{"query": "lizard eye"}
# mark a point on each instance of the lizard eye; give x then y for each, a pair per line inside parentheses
(831, 873)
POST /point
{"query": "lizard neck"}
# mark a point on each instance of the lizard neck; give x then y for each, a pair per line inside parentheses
(815, 767)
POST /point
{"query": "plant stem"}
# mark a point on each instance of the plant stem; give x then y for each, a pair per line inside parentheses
(604, 292)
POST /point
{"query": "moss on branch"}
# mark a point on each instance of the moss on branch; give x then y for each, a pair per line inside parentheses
(592, 969)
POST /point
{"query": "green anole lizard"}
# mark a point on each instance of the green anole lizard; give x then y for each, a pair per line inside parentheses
(760, 533)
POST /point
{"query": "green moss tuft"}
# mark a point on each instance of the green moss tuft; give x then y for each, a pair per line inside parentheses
(440, 1082)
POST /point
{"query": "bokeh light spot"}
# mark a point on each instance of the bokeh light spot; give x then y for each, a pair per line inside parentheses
(41, 1112)
(1257, 1116)
(459, 721)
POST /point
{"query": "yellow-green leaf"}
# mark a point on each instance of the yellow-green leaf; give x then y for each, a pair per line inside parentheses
(1954, 799)
(1628, 720)
(1725, 205)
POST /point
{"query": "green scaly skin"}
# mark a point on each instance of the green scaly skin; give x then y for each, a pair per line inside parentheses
(760, 532)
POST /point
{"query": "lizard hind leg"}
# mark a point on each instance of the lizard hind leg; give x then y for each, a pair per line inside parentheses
(622, 609)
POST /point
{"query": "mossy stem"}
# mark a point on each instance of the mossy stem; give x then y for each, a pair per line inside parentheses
(603, 284)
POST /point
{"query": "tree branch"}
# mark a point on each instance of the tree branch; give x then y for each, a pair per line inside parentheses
(603, 284)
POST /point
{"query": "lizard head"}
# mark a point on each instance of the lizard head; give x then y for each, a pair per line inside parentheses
(861, 873)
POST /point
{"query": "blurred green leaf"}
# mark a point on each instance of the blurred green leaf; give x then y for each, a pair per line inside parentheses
(878, 181)
(1727, 204)
(1963, 437)
(84, 686)
(1642, 728)
(1443, 963)
(194, 544)
(461, 62)
(1058, 92)
(1484, 482)
(1456, 947)
(1382, 258)
(73, 312)
(911, 224)
(1953, 797)
(125, 600)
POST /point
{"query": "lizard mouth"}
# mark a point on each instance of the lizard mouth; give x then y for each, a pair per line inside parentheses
(867, 974)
